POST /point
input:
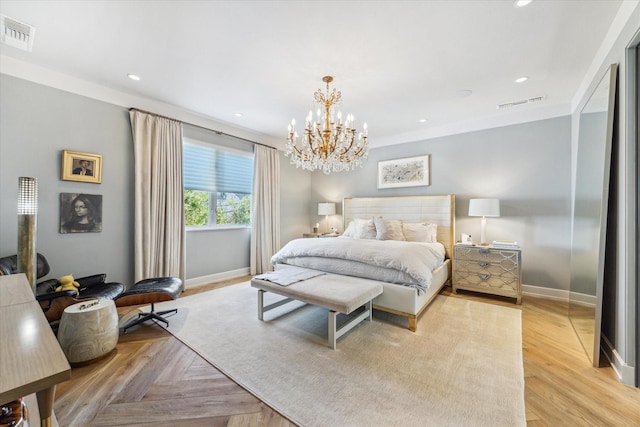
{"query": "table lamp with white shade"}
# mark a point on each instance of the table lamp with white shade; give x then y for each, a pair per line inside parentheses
(484, 208)
(326, 209)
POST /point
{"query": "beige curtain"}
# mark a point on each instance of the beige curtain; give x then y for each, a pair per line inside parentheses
(265, 210)
(159, 211)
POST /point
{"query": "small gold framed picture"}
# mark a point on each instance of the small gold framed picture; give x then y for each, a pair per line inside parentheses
(83, 167)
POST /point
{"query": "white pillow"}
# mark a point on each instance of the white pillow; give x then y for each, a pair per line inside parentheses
(388, 229)
(360, 228)
(351, 230)
(420, 232)
(365, 228)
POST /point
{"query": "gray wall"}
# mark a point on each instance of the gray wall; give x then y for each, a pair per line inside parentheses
(526, 166)
(295, 200)
(38, 122)
(211, 252)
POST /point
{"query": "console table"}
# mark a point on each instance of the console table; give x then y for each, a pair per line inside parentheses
(31, 360)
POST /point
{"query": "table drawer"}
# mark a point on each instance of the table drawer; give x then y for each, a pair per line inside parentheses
(484, 254)
(492, 277)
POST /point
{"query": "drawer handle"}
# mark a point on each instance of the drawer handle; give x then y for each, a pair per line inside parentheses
(484, 276)
(484, 250)
(483, 264)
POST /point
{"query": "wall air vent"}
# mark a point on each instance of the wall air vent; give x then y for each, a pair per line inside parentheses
(520, 102)
(16, 34)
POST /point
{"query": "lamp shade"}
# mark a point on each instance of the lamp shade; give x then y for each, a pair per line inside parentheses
(27, 196)
(484, 207)
(326, 208)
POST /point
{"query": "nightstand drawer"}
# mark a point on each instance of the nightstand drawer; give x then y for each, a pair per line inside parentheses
(492, 277)
(493, 269)
(484, 254)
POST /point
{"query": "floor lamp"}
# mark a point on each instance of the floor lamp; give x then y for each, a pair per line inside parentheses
(484, 208)
(27, 226)
(326, 209)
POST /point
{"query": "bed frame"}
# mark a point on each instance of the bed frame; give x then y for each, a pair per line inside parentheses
(440, 209)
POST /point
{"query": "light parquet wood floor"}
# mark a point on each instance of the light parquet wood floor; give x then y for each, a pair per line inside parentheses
(561, 386)
(152, 379)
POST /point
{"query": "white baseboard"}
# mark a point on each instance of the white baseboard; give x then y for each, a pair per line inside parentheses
(538, 291)
(626, 374)
(558, 294)
(218, 277)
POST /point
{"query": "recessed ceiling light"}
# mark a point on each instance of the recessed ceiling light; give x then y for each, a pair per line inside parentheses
(133, 77)
(522, 79)
(238, 114)
(423, 120)
(522, 3)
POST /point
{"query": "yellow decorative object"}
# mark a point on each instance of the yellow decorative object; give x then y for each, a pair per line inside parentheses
(68, 284)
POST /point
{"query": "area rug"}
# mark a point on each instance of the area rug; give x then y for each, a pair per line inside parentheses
(463, 366)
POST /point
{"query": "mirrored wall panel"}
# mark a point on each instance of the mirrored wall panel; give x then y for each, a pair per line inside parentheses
(590, 214)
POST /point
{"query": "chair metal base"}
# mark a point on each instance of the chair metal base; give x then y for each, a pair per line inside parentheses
(155, 316)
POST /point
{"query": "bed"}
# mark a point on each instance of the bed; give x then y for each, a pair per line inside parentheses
(407, 300)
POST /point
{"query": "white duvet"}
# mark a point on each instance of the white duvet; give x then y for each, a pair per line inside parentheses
(406, 263)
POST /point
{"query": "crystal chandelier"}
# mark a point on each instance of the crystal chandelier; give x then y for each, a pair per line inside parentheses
(327, 144)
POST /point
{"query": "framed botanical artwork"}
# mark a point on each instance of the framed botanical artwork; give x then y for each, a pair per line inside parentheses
(407, 172)
(83, 167)
(80, 213)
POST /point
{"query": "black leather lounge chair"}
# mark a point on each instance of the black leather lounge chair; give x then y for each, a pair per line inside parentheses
(150, 291)
(52, 302)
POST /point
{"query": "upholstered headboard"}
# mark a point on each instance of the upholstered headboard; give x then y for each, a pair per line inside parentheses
(432, 209)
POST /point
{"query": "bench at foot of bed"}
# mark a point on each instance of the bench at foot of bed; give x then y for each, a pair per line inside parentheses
(338, 294)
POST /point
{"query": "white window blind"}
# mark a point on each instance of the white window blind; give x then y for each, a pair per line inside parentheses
(216, 170)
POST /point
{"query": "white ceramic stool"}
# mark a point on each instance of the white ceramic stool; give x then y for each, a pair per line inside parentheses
(88, 330)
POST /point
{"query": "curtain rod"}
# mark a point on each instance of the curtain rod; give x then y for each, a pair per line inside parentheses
(219, 132)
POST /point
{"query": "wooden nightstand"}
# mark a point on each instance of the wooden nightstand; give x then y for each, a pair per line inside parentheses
(488, 269)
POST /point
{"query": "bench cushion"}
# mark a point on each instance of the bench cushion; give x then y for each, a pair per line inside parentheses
(335, 292)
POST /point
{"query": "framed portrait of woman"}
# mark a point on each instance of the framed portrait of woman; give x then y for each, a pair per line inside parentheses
(83, 167)
(80, 213)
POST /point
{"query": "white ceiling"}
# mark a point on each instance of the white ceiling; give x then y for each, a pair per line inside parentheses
(395, 62)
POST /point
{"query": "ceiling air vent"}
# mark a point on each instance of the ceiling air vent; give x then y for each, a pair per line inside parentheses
(16, 34)
(520, 102)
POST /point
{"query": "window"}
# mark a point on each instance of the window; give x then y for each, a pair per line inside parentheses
(217, 185)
